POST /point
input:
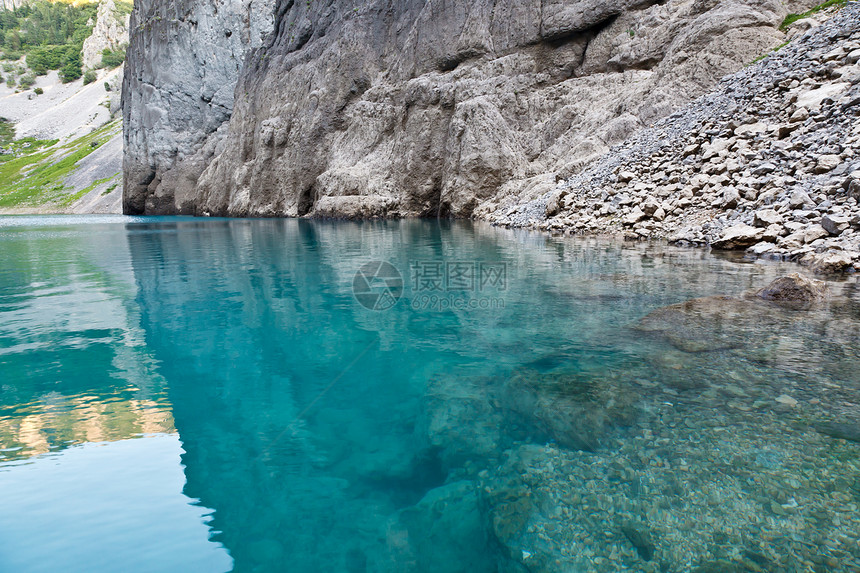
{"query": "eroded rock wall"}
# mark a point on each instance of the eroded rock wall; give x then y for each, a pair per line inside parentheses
(183, 61)
(382, 108)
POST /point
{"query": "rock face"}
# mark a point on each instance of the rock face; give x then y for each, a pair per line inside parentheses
(407, 108)
(183, 61)
(766, 162)
(110, 32)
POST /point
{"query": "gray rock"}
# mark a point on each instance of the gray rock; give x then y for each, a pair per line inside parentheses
(634, 216)
(178, 93)
(767, 217)
(834, 224)
(761, 248)
(813, 233)
(731, 198)
(801, 114)
(794, 288)
(738, 237)
(764, 169)
(799, 199)
(433, 109)
(554, 203)
(827, 163)
(109, 33)
(831, 263)
(650, 206)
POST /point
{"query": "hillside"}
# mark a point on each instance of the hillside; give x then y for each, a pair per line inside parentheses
(61, 71)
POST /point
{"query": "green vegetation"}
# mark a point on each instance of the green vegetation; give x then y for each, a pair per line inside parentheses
(7, 132)
(123, 9)
(763, 56)
(113, 58)
(111, 189)
(792, 18)
(35, 172)
(89, 77)
(49, 34)
(27, 81)
(70, 199)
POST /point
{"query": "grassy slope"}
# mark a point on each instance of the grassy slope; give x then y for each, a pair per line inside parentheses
(792, 18)
(36, 176)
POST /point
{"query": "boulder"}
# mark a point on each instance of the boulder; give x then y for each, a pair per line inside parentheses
(799, 199)
(831, 263)
(766, 218)
(738, 237)
(634, 216)
(731, 198)
(835, 224)
(827, 163)
(794, 288)
(575, 408)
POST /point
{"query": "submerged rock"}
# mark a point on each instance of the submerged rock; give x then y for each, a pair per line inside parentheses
(704, 324)
(446, 532)
(718, 566)
(640, 536)
(794, 288)
(574, 408)
(459, 420)
(843, 430)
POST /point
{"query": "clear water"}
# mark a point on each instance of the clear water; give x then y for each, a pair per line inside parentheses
(211, 395)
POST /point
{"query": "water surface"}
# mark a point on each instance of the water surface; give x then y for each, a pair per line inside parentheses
(213, 392)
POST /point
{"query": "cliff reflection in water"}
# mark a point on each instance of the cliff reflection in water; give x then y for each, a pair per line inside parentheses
(581, 424)
(326, 435)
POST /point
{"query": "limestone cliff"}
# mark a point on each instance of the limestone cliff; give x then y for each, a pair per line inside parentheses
(382, 108)
(110, 32)
(183, 60)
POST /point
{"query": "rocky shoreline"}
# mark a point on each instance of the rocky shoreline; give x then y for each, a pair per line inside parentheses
(766, 163)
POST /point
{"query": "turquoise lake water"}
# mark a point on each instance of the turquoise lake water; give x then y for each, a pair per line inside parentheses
(279, 395)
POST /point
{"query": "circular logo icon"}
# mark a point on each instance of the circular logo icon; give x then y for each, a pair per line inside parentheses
(377, 285)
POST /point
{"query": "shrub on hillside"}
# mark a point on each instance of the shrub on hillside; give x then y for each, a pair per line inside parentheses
(113, 58)
(72, 67)
(89, 77)
(27, 81)
(47, 58)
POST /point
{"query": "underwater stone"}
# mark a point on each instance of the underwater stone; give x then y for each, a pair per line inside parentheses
(640, 536)
(794, 288)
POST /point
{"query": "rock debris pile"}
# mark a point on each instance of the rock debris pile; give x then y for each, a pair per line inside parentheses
(766, 162)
